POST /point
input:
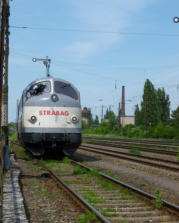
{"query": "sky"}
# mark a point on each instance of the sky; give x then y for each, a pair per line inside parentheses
(99, 46)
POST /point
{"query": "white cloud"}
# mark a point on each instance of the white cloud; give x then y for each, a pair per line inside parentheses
(81, 49)
(113, 14)
(103, 15)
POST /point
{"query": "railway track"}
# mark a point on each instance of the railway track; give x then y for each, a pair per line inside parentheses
(111, 200)
(121, 145)
(160, 144)
(152, 161)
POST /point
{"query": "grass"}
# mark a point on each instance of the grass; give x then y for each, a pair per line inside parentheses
(128, 197)
(106, 185)
(95, 200)
(13, 136)
(135, 152)
(30, 163)
(66, 160)
(112, 175)
(93, 173)
(21, 153)
(106, 214)
(93, 197)
(91, 193)
(110, 209)
(178, 157)
(51, 163)
(78, 170)
(85, 180)
(58, 167)
(86, 218)
(124, 221)
(124, 191)
(158, 201)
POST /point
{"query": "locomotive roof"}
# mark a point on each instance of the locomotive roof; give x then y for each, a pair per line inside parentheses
(50, 78)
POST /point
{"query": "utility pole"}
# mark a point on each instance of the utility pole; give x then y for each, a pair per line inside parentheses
(102, 107)
(3, 6)
(4, 53)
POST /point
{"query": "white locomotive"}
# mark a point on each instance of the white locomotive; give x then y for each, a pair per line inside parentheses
(49, 116)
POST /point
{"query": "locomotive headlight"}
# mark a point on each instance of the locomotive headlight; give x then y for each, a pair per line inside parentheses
(74, 119)
(54, 97)
(33, 119)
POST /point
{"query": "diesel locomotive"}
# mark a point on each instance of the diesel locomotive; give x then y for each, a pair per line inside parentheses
(49, 116)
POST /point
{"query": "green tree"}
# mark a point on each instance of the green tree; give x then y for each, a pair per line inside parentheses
(138, 116)
(90, 117)
(164, 105)
(175, 117)
(96, 120)
(150, 107)
(111, 117)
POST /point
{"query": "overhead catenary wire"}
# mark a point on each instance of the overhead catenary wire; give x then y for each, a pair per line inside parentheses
(96, 31)
(61, 62)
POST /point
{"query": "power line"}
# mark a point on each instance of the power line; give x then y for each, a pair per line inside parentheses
(97, 31)
(117, 67)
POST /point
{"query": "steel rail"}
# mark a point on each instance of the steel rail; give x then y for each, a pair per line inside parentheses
(134, 155)
(75, 196)
(109, 153)
(167, 152)
(145, 142)
(166, 203)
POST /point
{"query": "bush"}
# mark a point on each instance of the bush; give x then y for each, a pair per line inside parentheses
(104, 129)
(158, 131)
(127, 130)
(137, 132)
(166, 132)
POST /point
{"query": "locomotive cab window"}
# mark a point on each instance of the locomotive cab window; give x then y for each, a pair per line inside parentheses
(38, 88)
(65, 89)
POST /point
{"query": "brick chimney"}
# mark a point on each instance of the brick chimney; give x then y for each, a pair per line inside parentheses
(123, 102)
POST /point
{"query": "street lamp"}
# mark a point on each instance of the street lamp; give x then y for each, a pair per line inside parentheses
(175, 19)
